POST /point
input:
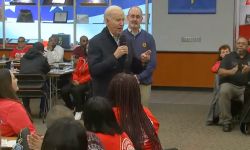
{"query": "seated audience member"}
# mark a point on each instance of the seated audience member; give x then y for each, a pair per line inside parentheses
(81, 50)
(213, 113)
(77, 88)
(13, 116)
(54, 52)
(223, 51)
(137, 121)
(234, 76)
(33, 62)
(55, 113)
(248, 49)
(65, 134)
(21, 48)
(99, 118)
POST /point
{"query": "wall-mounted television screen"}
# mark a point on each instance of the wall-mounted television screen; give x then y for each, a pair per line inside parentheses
(58, 2)
(22, 2)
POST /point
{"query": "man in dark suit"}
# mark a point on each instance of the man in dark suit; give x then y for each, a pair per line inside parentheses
(107, 57)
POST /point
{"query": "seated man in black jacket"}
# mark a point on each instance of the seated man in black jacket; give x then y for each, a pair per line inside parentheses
(33, 62)
(234, 75)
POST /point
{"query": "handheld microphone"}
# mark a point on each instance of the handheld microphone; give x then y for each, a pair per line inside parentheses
(122, 40)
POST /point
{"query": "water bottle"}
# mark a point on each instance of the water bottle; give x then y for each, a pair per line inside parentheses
(72, 60)
(12, 66)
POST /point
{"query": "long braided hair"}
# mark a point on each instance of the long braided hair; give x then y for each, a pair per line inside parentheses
(124, 92)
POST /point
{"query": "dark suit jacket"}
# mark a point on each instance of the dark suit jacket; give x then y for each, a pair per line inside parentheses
(103, 65)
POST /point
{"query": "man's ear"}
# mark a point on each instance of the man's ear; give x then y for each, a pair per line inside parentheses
(106, 20)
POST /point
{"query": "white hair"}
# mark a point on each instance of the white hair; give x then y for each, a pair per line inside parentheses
(109, 10)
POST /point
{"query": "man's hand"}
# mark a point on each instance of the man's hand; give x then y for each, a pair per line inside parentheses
(234, 69)
(35, 141)
(120, 51)
(145, 57)
(245, 69)
(75, 82)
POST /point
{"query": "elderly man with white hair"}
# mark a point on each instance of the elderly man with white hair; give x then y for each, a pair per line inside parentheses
(107, 56)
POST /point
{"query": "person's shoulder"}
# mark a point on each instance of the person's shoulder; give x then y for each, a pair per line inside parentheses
(58, 47)
(27, 47)
(77, 48)
(146, 110)
(98, 37)
(147, 33)
(125, 31)
(10, 103)
(14, 49)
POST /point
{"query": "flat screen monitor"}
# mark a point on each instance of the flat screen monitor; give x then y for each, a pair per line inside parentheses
(32, 41)
(22, 2)
(58, 2)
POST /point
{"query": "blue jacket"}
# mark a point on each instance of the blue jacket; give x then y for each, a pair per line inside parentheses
(142, 42)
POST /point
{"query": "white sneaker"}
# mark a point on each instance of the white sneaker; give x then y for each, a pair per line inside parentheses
(78, 115)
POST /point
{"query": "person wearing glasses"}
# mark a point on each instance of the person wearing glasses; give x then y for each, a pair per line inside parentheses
(143, 42)
(234, 73)
(21, 48)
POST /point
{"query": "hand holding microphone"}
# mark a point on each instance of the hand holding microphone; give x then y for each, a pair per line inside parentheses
(122, 48)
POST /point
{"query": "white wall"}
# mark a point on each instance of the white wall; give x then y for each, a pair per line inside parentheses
(213, 29)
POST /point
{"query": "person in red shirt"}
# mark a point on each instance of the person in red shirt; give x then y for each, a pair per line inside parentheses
(18, 52)
(81, 50)
(223, 51)
(100, 119)
(13, 116)
(137, 121)
(78, 87)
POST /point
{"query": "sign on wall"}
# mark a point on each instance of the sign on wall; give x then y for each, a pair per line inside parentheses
(191, 6)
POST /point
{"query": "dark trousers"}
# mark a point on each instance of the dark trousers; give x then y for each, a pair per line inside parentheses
(26, 103)
(78, 93)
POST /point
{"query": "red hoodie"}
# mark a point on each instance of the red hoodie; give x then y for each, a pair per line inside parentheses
(81, 72)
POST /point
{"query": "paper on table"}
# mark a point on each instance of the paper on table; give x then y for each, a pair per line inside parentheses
(7, 143)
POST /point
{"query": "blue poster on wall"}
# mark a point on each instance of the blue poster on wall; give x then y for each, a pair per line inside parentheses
(191, 6)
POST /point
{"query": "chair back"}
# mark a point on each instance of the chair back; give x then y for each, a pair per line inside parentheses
(31, 85)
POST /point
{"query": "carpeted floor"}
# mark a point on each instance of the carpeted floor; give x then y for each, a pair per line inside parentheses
(182, 122)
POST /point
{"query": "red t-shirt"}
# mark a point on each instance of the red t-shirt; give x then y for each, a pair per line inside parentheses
(215, 67)
(147, 145)
(115, 142)
(16, 51)
(13, 118)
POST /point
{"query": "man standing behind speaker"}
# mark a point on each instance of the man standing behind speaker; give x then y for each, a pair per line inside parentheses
(143, 42)
(106, 57)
